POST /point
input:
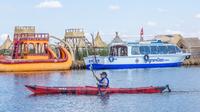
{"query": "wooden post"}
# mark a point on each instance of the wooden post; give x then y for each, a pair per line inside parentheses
(93, 46)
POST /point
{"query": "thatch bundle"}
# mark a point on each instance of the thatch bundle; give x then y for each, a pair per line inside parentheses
(194, 60)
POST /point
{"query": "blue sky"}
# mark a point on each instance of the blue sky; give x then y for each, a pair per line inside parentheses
(106, 16)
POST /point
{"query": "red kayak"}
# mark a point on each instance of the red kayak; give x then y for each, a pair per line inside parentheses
(90, 90)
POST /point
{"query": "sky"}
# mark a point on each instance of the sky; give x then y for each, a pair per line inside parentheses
(104, 16)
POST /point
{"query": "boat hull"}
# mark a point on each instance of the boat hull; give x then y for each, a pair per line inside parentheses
(129, 66)
(126, 62)
(23, 65)
(90, 90)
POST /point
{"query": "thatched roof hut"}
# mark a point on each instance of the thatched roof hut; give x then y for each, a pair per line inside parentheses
(82, 43)
(191, 45)
(7, 43)
(98, 42)
(174, 38)
(116, 40)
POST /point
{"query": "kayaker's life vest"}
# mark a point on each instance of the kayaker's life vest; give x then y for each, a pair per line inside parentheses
(103, 81)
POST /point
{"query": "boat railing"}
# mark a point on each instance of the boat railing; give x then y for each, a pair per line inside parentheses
(31, 36)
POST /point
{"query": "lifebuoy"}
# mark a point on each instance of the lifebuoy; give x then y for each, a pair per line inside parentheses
(187, 57)
(146, 57)
(111, 58)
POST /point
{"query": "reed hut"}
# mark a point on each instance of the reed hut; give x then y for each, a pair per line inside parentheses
(188, 44)
(173, 39)
(100, 46)
(7, 44)
(191, 44)
(98, 42)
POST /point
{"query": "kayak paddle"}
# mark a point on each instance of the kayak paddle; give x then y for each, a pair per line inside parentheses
(99, 88)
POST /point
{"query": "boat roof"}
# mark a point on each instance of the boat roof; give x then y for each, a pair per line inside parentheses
(149, 43)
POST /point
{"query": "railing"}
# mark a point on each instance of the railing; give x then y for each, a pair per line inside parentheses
(31, 36)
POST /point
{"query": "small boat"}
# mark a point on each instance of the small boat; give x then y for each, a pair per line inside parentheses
(91, 90)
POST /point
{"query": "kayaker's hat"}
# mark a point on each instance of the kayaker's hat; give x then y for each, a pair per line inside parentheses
(104, 73)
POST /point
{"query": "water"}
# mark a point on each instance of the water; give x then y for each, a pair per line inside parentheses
(184, 82)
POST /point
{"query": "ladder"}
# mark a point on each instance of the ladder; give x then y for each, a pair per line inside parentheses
(15, 49)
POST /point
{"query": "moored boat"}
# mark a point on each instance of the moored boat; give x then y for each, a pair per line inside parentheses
(146, 54)
(91, 90)
(31, 52)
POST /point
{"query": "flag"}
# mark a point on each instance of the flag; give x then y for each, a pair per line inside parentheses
(141, 32)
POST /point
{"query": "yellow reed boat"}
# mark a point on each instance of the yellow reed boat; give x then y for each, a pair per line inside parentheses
(32, 53)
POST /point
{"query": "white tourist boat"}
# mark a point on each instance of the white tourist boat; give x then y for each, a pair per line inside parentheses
(146, 54)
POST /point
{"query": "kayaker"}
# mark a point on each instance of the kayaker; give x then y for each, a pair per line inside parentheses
(103, 81)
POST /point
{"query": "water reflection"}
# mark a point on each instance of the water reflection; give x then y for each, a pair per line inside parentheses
(104, 99)
(15, 97)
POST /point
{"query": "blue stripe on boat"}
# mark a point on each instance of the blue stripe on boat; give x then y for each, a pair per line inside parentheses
(125, 66)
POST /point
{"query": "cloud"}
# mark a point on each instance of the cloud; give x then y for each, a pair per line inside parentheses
(49, 4)
(197, 16)
(114, 7)
(151, 23)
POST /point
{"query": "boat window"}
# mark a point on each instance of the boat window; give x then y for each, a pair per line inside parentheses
(177, 49)
(162, 49)
(135, 50)
(118, 50)
(144, 50)
(171, 49)
(154, 49)
(31, 48)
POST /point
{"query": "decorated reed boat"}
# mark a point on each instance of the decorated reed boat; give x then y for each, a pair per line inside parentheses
(91, 90)
(32, 53)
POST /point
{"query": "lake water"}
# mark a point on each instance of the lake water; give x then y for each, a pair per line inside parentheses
(184, 82)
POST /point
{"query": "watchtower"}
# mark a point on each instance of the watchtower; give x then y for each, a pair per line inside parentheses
(76, 38)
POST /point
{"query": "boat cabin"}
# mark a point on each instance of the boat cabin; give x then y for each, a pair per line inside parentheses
(143, 48)
(30, 46)
(119, 50)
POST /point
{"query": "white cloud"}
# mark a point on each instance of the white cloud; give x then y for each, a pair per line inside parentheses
(49, 4)
(114, 7)
(151, 23)
(169, 31)
(197, 16)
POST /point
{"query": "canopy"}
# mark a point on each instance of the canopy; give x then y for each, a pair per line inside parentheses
(116, 40)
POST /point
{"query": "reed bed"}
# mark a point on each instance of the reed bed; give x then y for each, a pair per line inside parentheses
(194, 60)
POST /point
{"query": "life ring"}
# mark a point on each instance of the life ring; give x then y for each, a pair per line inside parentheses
(187, 57)
(111, 58)
(146, 57)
